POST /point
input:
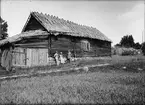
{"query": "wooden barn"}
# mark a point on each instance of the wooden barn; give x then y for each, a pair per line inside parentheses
(45, 34)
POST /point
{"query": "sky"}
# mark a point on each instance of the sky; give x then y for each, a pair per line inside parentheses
(113, 18)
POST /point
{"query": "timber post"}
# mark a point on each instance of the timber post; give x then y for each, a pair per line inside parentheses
(25, 54)
(73, 43)
(49, 47)
(75, 53)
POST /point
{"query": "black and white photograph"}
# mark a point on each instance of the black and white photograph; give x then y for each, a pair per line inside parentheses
(69, 52)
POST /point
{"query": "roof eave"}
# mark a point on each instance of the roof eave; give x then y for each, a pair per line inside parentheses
(26, 23)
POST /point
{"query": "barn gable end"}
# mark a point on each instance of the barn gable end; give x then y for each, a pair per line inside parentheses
(33, 24)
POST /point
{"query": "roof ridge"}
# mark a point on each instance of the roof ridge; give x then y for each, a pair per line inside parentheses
(65, 20)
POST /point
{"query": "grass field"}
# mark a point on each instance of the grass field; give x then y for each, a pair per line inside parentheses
(100, 85)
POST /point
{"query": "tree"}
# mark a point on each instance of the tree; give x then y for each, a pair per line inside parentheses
(117, 45)
(143, 48)
(137, 45)
(127, 41)
(3, 30)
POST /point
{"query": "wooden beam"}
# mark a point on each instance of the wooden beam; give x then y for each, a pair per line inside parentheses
(50, 42)
(75, 54)
(36, 37)
(32, 44)
(25, 51)
(35, 47)
(49, 45)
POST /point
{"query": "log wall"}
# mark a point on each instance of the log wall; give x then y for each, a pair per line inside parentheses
(38, 53)
(65, 43)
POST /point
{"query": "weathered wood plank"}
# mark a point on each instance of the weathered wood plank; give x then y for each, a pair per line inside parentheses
(37, 52)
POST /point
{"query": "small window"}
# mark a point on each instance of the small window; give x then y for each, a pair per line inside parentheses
(85, 45)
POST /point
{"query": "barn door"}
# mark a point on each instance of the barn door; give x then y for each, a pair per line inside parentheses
(37, 57)
(19, 57)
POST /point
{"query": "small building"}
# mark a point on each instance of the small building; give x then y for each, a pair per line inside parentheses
(45, 34)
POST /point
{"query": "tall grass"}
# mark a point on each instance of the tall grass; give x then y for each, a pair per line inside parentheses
(91, 87)
(114, 86)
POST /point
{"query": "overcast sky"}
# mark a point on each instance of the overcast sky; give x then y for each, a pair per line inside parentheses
(113, 18)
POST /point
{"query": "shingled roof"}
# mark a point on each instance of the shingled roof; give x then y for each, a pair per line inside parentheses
(53, 23)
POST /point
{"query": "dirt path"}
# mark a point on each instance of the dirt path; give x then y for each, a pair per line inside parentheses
(86, 68)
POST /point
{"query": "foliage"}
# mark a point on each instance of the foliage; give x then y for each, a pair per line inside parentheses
(117, 45)
(3, 31)
(113, 51)
(137, 45)
(125, 51)
(127, 41)
(128, 52)
(143, 48)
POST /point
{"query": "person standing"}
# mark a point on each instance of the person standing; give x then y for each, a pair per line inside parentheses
(56, 56)
(69, 56)
(62, 59)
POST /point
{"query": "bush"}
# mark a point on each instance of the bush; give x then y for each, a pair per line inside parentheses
(143, 48)
(128, 52)
(113, 51)
(125, 51)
